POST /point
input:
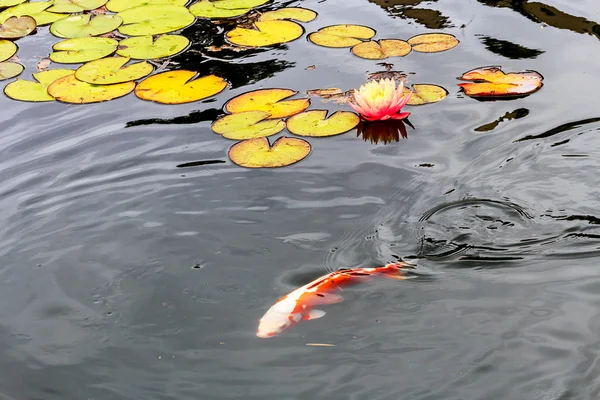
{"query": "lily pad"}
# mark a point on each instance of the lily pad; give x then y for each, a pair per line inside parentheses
(81, 50)
(108, 71)
(271, 101)
(247, 125)
(121, 5)
(215, 9)
(25, 90)
(177, 87)
(75, 6)
(154, 19)
(381, 49)
(492, 82)
(35, 10)
(316, 124)
(7, 49)
(258, 153)
(339, 36)
(295, 13)
(433, 42)
(69, 89)
(10, 70)
(10, 3)
(17, 27)
(425, 94)
(82, 25)
(145, 48)
(267, 33)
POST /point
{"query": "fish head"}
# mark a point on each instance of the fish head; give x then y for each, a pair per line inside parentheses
(279, 318)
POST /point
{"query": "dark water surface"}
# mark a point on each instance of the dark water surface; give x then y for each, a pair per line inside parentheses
(125, 277)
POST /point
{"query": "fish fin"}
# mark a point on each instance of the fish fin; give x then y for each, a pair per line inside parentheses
(314, 299)
(314, 314)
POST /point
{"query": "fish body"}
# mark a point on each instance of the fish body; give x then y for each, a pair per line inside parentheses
(300, 304)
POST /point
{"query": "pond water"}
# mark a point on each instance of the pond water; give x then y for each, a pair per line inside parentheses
(126, 277)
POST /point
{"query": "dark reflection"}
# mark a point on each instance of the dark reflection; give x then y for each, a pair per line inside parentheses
(194, 117)
(559, 129)
(518, 113)
(385, 132)
(509, 49)
(432, 19)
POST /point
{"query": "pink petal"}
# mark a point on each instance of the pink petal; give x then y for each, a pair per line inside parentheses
(400, 115)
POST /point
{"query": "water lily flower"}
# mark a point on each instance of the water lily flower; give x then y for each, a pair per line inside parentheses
(380, 100)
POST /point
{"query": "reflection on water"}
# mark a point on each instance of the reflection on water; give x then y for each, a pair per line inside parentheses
(383, 131)
(508, 49)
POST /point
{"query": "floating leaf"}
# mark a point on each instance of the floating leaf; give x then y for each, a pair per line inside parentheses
(213, 9)
(43, 64)
(257, 153)
(121, 5)
(380, 49)
(24, 90)
(269, 101)
(379, 75)
(433, 42)
(75, 6)
(17, 27)
(267, 33)
(236, 4)
(247, 125)
(154, 19)
(426, 94)
(79, 26)
(492, 82)
(331, 94)
(177, 87)
(341, 35)
(81, 50)
(315, 123)
(144, 48)
(108, 71)
(69, 89)
(10, 70)
(7, 49)
(296, 13)
(10, 3)
(34, 10)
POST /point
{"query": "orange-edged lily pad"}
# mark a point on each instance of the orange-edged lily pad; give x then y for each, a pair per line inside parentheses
(271, 101)
(267, 33)
(258, 153)
(10, 69)
(178, 87)
(425, 94)
(493, 83)
(69, 89)
(381, 49)
(247, 125)
(17, 27)
(341, 35)
(316, 124)
(24, 90)
(433, 42)
(294, 13)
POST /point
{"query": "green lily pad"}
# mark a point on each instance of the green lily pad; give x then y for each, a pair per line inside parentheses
(145, 48)
(75, 6)
(217, 9)
(10, 3)
(17, 27)
(154, 19)
(79, 26)
(35, 10)
(69, 89)
(25, 90)
(111, 70)
(81, 50)
(10, 70)
(7, 49)
(247, 125)
(121, 5)
(315, 123)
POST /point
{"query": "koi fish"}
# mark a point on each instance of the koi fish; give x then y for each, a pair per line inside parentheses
(299, 304)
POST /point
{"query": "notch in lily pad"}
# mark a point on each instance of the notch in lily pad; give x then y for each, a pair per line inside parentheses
(272, 101)
(339, 36)
(69, 89)
(265, 33)
(247, 125)
(35, 10)
(149, 47)
(83, 25)
(75, 6)
(425, 94)
(492, 83)
(111, 70)
(259, 153)
(178, 87)
(25, 90)
(315, 123)
(17, 27)
(81, 50)
(224, 8)
(382, 49)
(433, 42)
(294, 13)
(154, 19)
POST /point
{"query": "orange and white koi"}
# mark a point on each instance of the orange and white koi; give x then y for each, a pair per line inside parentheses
(299, 304)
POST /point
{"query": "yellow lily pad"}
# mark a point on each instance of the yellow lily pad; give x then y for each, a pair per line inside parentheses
(145, 48)
(258, 153)
(267, 33)
(10, 70)
(433, 42)
(295, 13)
(271, 101)
(212, 10)
(10, 3)
(82, 25)
(25, 90)
(69, 89)
(177, 87)
(316, 124)
(381, 49)
(17, 27)
(81, 50)
(237, 4)
(75, 6)
(247, 125)
(35, 10)
(154, 19)
(425, 94)
(121, 5)
(7, 49)
(339, 36)
(111, 70)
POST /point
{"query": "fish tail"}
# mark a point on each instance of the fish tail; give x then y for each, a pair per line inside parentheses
(395, 270)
